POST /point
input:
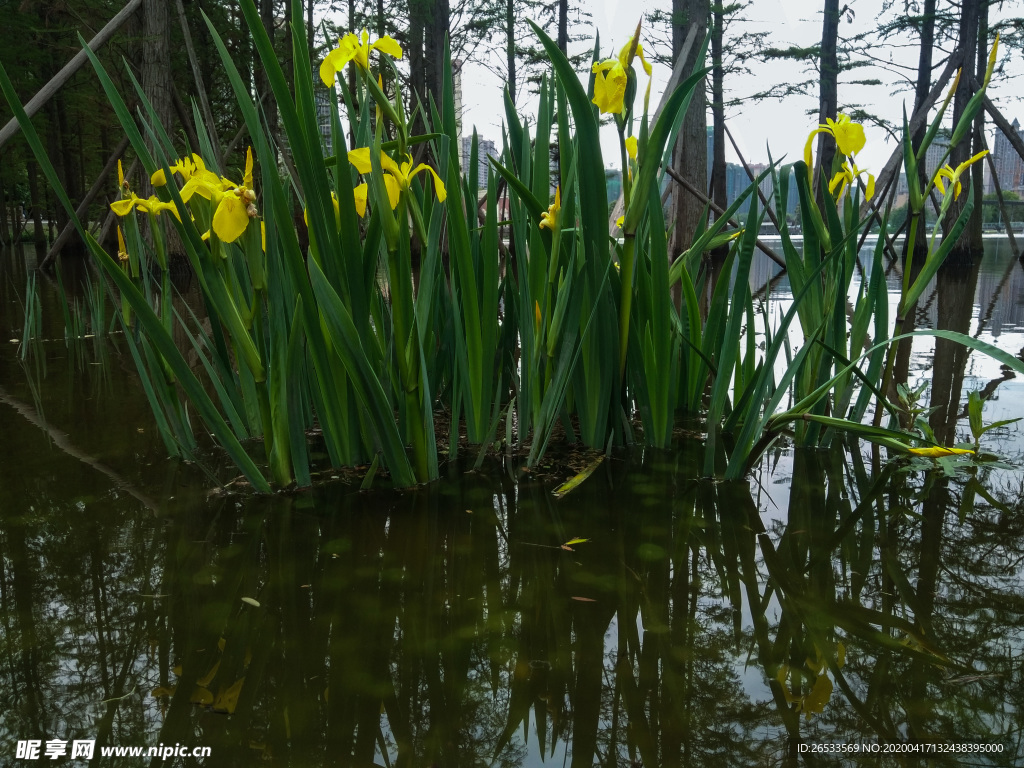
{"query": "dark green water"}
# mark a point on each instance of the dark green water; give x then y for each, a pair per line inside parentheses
(832, 600)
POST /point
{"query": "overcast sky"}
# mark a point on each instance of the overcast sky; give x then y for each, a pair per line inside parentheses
(782, 125)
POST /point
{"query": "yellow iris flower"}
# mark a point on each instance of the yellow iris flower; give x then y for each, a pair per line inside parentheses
(396, 177)
(232, 203)
(848, 175)
(954, 175)
(146, 205)
(125, 205)
(849, 136)
(610, 79)
(352, 47)
(631, 147)
(185, 167)
(550, 219)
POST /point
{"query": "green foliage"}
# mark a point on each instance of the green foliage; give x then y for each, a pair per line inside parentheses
(347, 336)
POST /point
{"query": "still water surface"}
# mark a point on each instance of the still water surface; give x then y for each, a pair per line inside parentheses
(833, 600)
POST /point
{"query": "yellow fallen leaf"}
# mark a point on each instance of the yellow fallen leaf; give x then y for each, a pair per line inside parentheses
(937, 451)
(572, 484)
(570, 542)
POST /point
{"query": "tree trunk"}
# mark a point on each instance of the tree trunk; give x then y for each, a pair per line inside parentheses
(35, 200)
(438, 37)
(924, 85)
(510, 47)
(968, 40)
(287, 49)
(718, 186)
(563, 25)
(828, 92)
(418, 15)
(5, 232)
(262, 80)
(156, 59)
(975, 243)
(310, 31)
(690, 154)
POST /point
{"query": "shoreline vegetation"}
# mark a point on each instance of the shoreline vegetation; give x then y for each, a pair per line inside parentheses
(403, 294)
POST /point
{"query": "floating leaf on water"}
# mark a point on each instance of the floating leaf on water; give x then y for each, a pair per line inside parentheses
(584, 599)
(570, 542)
(251, 601)
(572, 484)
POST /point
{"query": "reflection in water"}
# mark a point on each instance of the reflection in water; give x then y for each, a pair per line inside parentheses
(449, 626)
(699, 624)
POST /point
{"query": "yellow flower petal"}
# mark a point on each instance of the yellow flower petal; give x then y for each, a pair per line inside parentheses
(158, 179)
(631, 147)
(388, 45)
(439, 189)
(394, 190)
(122, 249)
(388, 165)
(123, 207)
(609, 86)
(247, 178)
(230, 219)
(360, 158)
(839, 180)
(360, 194)
(332, 64)
(849, 135)
(550, 219)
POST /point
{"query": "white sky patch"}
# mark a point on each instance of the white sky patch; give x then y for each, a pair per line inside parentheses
(781, 124)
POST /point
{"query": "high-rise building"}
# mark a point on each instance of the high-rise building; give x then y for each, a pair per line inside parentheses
(1008, 164)
(484, 148)
(936, 151)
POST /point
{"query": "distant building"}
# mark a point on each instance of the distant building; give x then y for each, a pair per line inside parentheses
(1008, 164)
(457, 98)
(484, 148)
(613, 183)
(324, 105)
(933, 158)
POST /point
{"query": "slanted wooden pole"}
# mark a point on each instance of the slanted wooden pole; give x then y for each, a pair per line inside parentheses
(69, 228)
(918, 119)
(58, 80)
(679, 179)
